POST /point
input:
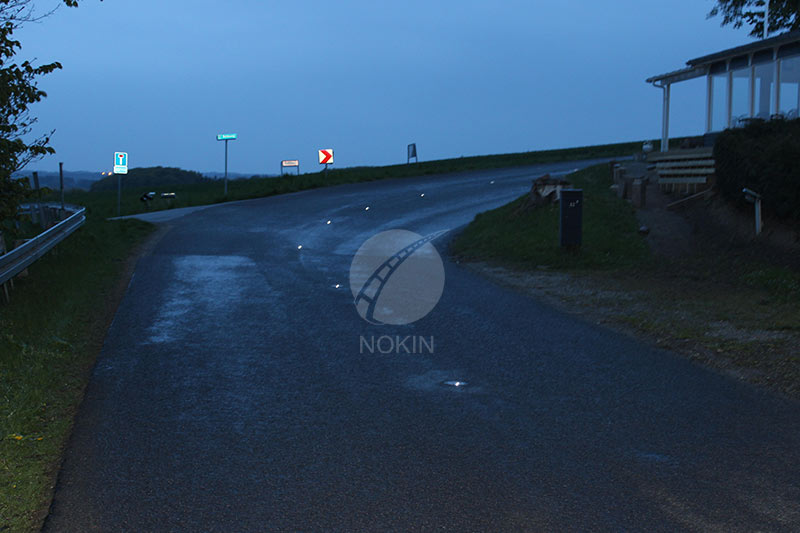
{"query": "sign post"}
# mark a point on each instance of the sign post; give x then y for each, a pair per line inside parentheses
(226, 137)
(287, 163)
(412, 152)
(120, 168)
(326, 158)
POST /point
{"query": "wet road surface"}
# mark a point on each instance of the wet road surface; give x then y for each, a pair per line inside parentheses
(233, 394)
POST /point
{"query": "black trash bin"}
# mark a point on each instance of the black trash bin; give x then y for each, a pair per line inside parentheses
(571, 218)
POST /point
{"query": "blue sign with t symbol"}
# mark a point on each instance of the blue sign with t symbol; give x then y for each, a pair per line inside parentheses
(120, 162)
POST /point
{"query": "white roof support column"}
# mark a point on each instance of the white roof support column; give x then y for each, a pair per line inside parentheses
(729, 93)
(777, 88)
(664, 82)
(665, 119)
(709, 102)
(752, 93)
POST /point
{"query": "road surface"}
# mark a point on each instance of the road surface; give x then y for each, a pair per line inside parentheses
(233, 394)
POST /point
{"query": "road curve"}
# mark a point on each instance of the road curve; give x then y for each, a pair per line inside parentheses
(233, 394)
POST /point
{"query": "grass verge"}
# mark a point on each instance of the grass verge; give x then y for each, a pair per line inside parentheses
(50, 333)
(729, 305)
(530, 238)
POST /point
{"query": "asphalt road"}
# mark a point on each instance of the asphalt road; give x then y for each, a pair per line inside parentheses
(233, 394)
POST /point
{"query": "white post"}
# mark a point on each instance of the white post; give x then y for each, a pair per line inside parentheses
(752, 90)
(709, 102)
(730, 98)
(665, 119)
(777, 90)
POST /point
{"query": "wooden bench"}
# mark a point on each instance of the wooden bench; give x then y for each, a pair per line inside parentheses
(692, 168)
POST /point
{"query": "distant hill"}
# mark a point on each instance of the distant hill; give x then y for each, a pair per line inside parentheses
(237, 175)
(78, 179)
(150, 178)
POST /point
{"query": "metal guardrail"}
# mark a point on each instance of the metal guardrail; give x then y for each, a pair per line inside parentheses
(21, 257)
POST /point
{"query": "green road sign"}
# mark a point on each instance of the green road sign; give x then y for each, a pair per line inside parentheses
(226, 137)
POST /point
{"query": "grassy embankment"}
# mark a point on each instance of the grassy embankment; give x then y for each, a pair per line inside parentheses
(733, 306)
(49, 335)
(530, 238)
(51, 331)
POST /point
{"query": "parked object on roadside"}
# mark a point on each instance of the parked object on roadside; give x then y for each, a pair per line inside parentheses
(546, 190)
(146, 197)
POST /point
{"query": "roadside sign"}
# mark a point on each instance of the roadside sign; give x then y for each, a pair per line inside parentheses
(412, 152)
(289, 163)
(226, 137)
(120, 162)
(326, 157)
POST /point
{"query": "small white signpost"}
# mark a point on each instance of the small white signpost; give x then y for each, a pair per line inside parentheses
(286, 163)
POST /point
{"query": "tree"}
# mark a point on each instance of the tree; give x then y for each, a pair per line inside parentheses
(18, 92)
(783, 14)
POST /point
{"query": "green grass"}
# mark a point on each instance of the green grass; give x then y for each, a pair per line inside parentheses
(530, 238)
(46, 350)
(781, 282)
(105, 203)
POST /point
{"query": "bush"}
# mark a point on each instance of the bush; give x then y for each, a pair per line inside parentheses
(763, 156)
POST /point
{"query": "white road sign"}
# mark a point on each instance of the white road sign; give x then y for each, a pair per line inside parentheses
(326, 157)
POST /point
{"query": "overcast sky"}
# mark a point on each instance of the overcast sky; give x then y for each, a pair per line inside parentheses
(160, 78)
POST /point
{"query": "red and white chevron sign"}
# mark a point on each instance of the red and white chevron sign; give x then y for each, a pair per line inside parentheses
(326, 157)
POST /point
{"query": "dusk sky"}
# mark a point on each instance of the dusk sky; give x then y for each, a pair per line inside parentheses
(159, 79)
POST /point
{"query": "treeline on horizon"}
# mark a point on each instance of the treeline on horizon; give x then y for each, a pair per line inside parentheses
(151, 177)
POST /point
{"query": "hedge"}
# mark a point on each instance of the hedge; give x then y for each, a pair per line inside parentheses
(763, 156)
